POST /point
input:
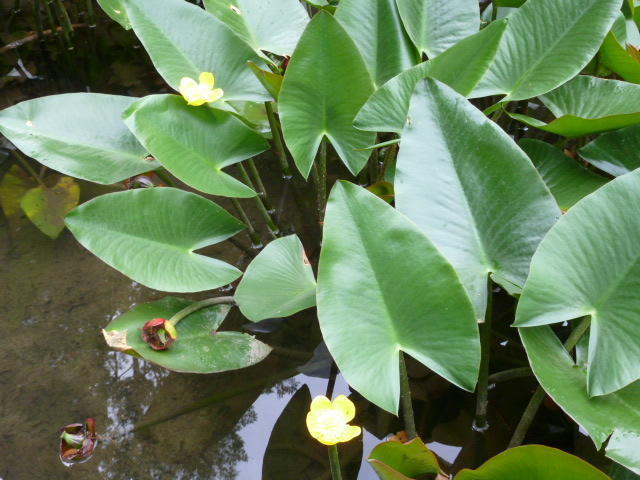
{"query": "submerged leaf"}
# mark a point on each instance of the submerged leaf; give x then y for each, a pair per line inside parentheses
(15, 183)
(46, 206)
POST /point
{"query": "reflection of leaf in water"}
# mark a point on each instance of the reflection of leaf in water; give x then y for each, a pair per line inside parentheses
(13, 186)
(293, 455)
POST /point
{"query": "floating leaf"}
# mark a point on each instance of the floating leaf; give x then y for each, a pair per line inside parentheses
(15, 183)
(271, 25)
(436, 25)
(460, 67)
(372, 258)
(195, 143)
(615, 152)
(588, 105)
(199, 348)
(547, 42)
(568, 181)
(376, 29)
(394, 460)
(78, 134)
(46, 207)
(150, 235)
(533, 462)
(619, 60)
(183, 40)
(589, 265)
(469, 187)
(278, 282)
(325, 85)
(116, 10)
(616, 415)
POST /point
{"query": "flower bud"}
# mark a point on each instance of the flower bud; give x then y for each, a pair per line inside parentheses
(159, 333)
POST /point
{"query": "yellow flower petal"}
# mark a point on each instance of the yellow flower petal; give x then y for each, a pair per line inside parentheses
(207, 79)
(346, 406)
(196, 102)
(320, 403)
(349, 433)
(214, 95)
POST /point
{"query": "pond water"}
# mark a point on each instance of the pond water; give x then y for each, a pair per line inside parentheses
(56, 369)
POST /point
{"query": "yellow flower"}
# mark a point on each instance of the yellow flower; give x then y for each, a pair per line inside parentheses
(328, 421)
(197, 94)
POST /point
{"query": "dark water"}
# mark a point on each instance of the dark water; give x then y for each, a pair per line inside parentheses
(55, 368)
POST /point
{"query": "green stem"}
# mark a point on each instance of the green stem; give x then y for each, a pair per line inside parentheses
(253, 235)
(194, 307)
(38, 11)
(494, 11)
(334, 463)
(278, 142)
(261, 189)
(511, 374)
(273, 228)
(25, 164)
(320, 177)
(482, 397)
(389, 155)
(536, 400)
(405, 399)
(162, 175)
(65, 22)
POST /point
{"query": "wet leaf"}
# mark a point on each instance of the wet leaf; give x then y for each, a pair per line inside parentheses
(150, 235)
(15, 183)
(46, 207)
(589, 265)
(394, 460)
(588, 105)
(457, 173)
(615, 152)
(278, 282)
(547, 42)
(195, 143)
(79, 134)
(271, 25)
(533, 462)
(568, 181)
(372, 256)
(324, 86)
(199, 348)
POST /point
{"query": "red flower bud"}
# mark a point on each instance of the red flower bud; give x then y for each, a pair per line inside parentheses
(78, 441)
(159, 333)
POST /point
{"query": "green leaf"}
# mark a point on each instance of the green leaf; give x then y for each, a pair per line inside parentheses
(547, 42)
(372, 258)
(619, 60)
(461, 67)
(473, 192)
(269, 80)
(588, 105)
(199, 348)
(116, 10)
(78, 134)
(396, 460)
(324, 86)
(533, 462)
(568, 181)
(615, 152)
(183, 40)
(618, 472)
(150, 235)
(278, 282)
(46, 206)
(271, 25)
(588, 264)
(15, 183)
(436, 25)
(320, 98)
(195, 143)
(376, 29)
(293, 454)
(509, 3)
(616, 415)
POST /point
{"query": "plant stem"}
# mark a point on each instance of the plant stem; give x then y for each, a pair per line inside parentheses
(389, 155)
(320, 177)
(25, 164)
(511, 374)
(278, 142)
(261, 190)
(194, 307)
(273, 228)
(482, 397)
(405, 399)
(494, 11)
(253, 235)
(162, 175)
(334, 463)
(536, 400)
